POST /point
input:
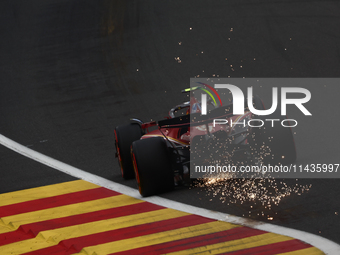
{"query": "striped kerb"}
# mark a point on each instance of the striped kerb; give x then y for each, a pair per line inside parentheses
(81, 218)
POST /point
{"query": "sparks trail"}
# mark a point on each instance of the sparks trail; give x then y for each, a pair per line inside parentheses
(266, 192)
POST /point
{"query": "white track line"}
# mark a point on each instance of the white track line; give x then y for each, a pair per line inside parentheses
(321, 243)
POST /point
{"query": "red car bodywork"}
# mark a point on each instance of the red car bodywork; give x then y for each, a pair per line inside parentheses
(183, 136)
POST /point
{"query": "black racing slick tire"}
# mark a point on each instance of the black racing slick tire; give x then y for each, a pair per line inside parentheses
(152, 165)
(125, 135)
(274, 141)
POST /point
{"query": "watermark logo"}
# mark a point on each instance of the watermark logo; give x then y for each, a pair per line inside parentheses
(239, 100)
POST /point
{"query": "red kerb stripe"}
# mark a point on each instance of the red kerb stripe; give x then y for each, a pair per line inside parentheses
(198, 241)
(31, 230)
(77, 244)
(49, 202)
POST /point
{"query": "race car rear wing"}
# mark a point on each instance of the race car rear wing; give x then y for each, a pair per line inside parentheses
(197, 119)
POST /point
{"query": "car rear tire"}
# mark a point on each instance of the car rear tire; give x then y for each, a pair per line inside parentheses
(124, 136)
(152, 165)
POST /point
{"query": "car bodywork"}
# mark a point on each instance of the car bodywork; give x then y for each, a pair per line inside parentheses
(190, 135)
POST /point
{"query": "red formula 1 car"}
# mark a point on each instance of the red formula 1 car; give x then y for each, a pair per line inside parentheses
(160, 159)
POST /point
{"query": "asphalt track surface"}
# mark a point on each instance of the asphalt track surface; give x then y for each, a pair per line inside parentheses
(71, 71)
